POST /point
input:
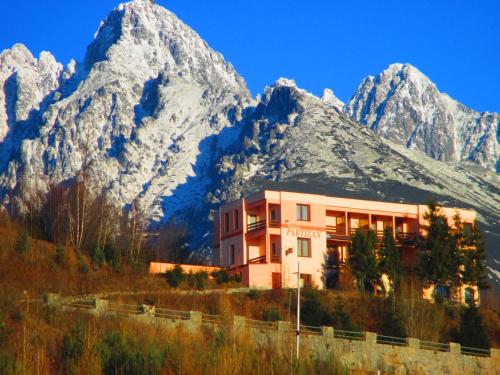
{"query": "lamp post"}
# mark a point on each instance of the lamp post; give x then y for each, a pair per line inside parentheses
(298, 308)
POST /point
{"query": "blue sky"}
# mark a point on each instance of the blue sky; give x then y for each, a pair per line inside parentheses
(318, 43)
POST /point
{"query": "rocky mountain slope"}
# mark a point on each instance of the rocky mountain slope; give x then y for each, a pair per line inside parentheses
(294, 140)
(403, 105)
(159, 118)
(135, 111)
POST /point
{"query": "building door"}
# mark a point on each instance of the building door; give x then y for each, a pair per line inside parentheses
(276, 279)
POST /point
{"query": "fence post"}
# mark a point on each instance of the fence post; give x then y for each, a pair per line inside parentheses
(101, 305)
(495, 355)
(413, 343)
(371, 338)
(327, 331)
(149, 310)
(195, 316)
(53, 299)
(455, 348)
(283, 326)
(239, 322)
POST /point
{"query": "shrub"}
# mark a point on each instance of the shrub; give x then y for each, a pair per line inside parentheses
(98, 256)
(175, 276)
(112, 255)
(23, 242)
(197, 280)
(71, 348)
(340, 319)
(82, 264)
(121, 355)
(472, 330)
(272, 314)
(60, 256)
(8, 365)
(313, 308)
(223, 277)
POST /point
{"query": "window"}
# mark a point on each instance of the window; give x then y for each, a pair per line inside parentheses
(274, 214)
(226, 222)
(303, 247)
(232, 254)
(303, 212)
(305, 280)
(236, 219)
(274, 248)
(469, 296)
(252, 219)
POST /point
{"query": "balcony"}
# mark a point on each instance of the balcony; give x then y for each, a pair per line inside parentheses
(256, 225)
(258, 260)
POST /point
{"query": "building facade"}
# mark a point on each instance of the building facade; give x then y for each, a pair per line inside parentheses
(263, 237)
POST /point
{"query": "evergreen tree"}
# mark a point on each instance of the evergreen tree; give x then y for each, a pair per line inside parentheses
(472, 330)
(390, 261)
(60, 256)
(439, 258)
(474, 268)
(362, 260)
(98, 256)
(112, 255)
(23, 242)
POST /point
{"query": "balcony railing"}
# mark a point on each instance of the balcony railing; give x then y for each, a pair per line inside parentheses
(336, 230)
(259, 259)
(274, 223)
(257, 225)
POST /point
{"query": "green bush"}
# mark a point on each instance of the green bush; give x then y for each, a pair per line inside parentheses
(472, 331)
(8, 365)
(98, 256)
(313, 308)
(23, 242)
(122, 355)
(197, 280)
(340, 319)
(272, 314)
(71, 348)
(223, 277)
(112, 255)
(175, 276)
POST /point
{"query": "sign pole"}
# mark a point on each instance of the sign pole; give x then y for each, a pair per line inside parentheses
(298, 308)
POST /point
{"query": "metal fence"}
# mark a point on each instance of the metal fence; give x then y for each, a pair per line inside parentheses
(391, 340)
(262, 325)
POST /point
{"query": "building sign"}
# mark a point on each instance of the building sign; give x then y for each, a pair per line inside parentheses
(300, 232)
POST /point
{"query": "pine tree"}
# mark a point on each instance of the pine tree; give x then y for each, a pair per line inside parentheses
(474, 268)
(439, 258)
(362, 260)
(23, 242)
(98, 256)
(472, 330)
(390, 261)
(60, 256)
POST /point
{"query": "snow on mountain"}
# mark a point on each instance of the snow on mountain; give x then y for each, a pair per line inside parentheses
(295, 141)
(330, 98)
(25, 82)
(148, 96)
(160, 118)
(403, 105)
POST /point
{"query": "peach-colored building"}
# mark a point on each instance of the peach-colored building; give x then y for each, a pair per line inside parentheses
(264, 236)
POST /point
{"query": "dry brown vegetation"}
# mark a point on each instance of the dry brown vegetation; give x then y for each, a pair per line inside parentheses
(32, 336)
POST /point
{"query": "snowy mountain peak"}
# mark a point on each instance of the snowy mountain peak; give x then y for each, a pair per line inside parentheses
(404, 105)
(25, 81)
(154, 39)
(330, 98)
